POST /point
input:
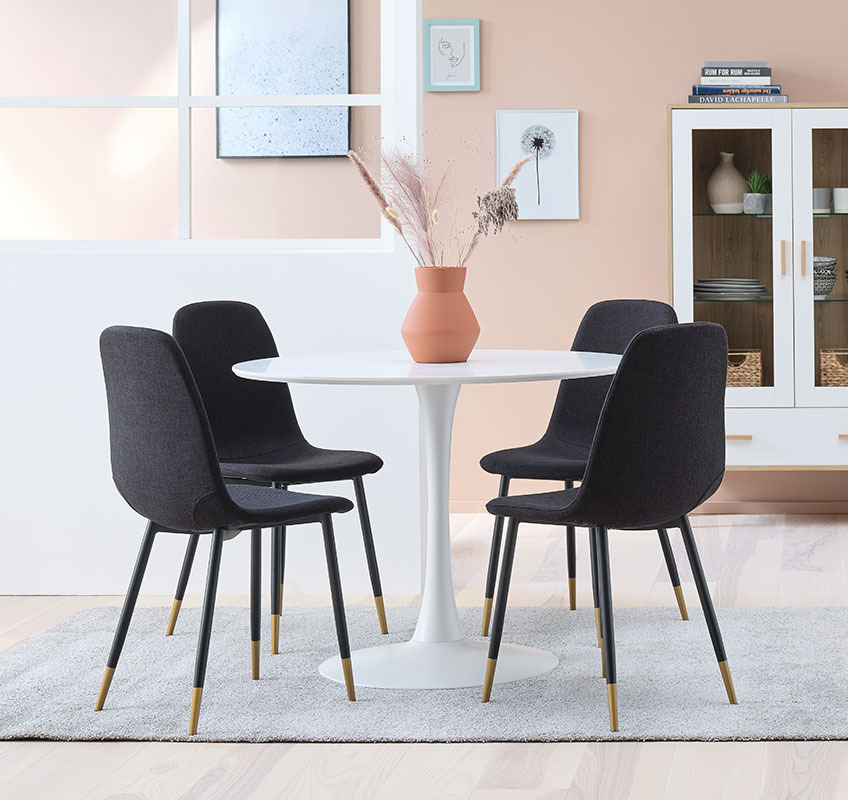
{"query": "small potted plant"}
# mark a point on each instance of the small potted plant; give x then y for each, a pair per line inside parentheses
(758, 200)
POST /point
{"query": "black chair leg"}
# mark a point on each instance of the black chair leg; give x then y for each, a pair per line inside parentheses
(707, 606)
(571, 556)
(370, 552)
(338, 604)
(494, 558)
(126, 613)
(182, 582)
(608, 631)
(278, 567)
(671, 564)
(205, 627)
(593, 549)
(500, 607)
(255, 600)
(278, 555)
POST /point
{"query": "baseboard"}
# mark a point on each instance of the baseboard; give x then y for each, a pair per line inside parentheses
(712, 507)
(773, 507)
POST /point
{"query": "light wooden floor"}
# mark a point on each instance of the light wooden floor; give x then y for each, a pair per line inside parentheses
(749, 560)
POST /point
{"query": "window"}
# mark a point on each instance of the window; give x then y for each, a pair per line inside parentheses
(108, 132)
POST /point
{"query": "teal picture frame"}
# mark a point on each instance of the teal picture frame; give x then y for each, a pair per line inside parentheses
(452, 55)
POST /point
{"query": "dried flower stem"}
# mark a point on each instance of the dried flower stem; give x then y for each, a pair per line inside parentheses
(407, 200)
(375, 190)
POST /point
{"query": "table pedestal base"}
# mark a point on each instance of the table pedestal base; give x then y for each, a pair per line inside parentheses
(438, 665)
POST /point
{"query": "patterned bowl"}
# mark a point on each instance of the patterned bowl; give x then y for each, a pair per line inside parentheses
(823, 283)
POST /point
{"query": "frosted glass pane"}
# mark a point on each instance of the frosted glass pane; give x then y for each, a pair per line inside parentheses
(101, 173)
(88, 47)
(299, 198)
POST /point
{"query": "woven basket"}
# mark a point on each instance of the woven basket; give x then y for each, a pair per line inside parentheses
(834, 366)
(744, 368)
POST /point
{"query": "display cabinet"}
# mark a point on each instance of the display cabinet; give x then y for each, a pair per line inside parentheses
(775, 278)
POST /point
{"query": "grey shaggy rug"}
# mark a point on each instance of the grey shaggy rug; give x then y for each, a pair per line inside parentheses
(789, 665)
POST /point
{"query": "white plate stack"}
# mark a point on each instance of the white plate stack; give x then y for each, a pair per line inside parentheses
(729, 289)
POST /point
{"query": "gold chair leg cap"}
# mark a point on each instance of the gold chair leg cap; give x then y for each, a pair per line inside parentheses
(348, 679)
(490, 678)
(728, 682)
(381, 614)
(681, 603)
(572, 593)
(275, 634)
(612, 701)
(487, 615)
(196, 694)
(175, 612)
(254, 660)
(104, 688)
(598, 624)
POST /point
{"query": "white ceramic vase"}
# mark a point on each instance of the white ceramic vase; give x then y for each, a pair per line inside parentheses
(726, 187)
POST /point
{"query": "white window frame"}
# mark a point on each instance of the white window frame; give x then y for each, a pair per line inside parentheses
(399, 101)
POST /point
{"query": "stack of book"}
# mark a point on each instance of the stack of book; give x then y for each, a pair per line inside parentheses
(736, 82)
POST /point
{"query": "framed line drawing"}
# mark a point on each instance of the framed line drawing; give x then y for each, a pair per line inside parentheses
(282, 47)
(548, 187)
(452, 55)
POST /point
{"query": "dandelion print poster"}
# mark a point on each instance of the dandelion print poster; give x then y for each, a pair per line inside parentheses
(548, 187)
(283, 47)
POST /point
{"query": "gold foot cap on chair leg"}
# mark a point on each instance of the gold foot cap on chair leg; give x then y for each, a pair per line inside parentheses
(612, 700)
(598, 624)
(275, 634)
(681, 603)
(728, 682)
(348, 678)
(381, 614)
(254, 660)
(196, 694)
(104, 688)
(175, 612)
(487, 615)
(572, 593)
(490, 679)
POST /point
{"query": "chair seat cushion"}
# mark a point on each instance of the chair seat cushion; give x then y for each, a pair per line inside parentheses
(264, 505)
(302, 463)
(550, 508)
(547, 459)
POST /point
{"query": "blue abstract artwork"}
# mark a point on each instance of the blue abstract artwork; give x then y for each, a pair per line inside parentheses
(283, 47)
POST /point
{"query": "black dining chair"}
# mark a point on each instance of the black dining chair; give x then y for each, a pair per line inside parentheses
(257, 434)
(165, 465)
(657, 453)
(561, 454)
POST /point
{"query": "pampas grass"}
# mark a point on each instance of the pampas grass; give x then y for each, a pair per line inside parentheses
(410, 201)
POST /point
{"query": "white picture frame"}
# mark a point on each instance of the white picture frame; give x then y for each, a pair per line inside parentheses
(549, 185)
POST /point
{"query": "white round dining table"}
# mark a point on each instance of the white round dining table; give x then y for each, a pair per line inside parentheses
(439, 655)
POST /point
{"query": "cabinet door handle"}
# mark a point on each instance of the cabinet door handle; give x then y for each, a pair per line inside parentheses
(803, 257)
(783, 256)
(741, 437)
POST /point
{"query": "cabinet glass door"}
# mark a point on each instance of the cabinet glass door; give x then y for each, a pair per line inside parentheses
(732, 254)
(821, 256)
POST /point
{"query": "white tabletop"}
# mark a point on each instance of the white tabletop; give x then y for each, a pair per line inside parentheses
(396, 367)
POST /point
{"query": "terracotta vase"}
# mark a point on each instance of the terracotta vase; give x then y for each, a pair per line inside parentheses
(440, 326)
(726, 186)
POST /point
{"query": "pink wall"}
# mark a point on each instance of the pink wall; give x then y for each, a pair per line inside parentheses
(619, 64)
